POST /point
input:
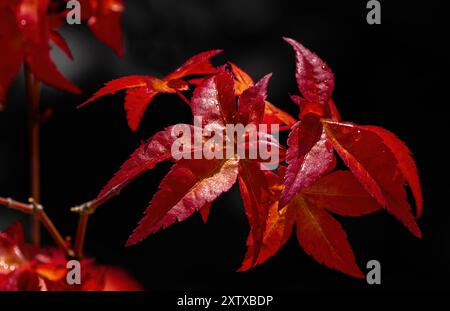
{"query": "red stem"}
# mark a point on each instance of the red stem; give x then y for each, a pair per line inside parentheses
(48, 224)
(41, 215)
(33, 89)
(84, 210)
(10, 203)
(81, 234)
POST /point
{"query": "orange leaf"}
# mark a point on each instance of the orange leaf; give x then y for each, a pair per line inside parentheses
(274, 115)
(242, 80)
(278, 230)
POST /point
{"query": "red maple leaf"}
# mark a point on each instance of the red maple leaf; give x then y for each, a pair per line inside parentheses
(304, 194)
(193, 184)
(23, 267)
(309, 155)
(140, 90)
(26, 27)
(103, 18)
(377, 158)
(383, 165)
(318, 233)
(380, 165)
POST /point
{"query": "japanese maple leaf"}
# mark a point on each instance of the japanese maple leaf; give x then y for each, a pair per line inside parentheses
(103, 18)
(25, 31)
(23, 267)
(140, 90)
(272, 114)
(309, 155)
(382, 163)
(317, 231)
(378, 159)
(193, 184)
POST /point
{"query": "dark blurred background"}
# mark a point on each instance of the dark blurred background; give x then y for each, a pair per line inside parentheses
(386, 75)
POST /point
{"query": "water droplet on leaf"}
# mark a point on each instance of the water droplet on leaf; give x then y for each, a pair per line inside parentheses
(357, 136)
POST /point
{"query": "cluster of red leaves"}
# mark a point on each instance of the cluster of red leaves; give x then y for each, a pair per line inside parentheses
(23, 267)
(140, 90)
(305, 193)
(28, 26)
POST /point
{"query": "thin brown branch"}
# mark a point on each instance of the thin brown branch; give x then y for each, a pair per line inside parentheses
(85, 210)
(10, 203)
(81, 234)
(41, 215)
(33, 89)
(59, 240)
(91, 206)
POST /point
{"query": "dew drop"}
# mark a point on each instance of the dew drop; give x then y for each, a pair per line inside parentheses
(357, 135)
(23, 22)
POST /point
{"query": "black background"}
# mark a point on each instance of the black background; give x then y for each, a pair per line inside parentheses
(389, 75)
